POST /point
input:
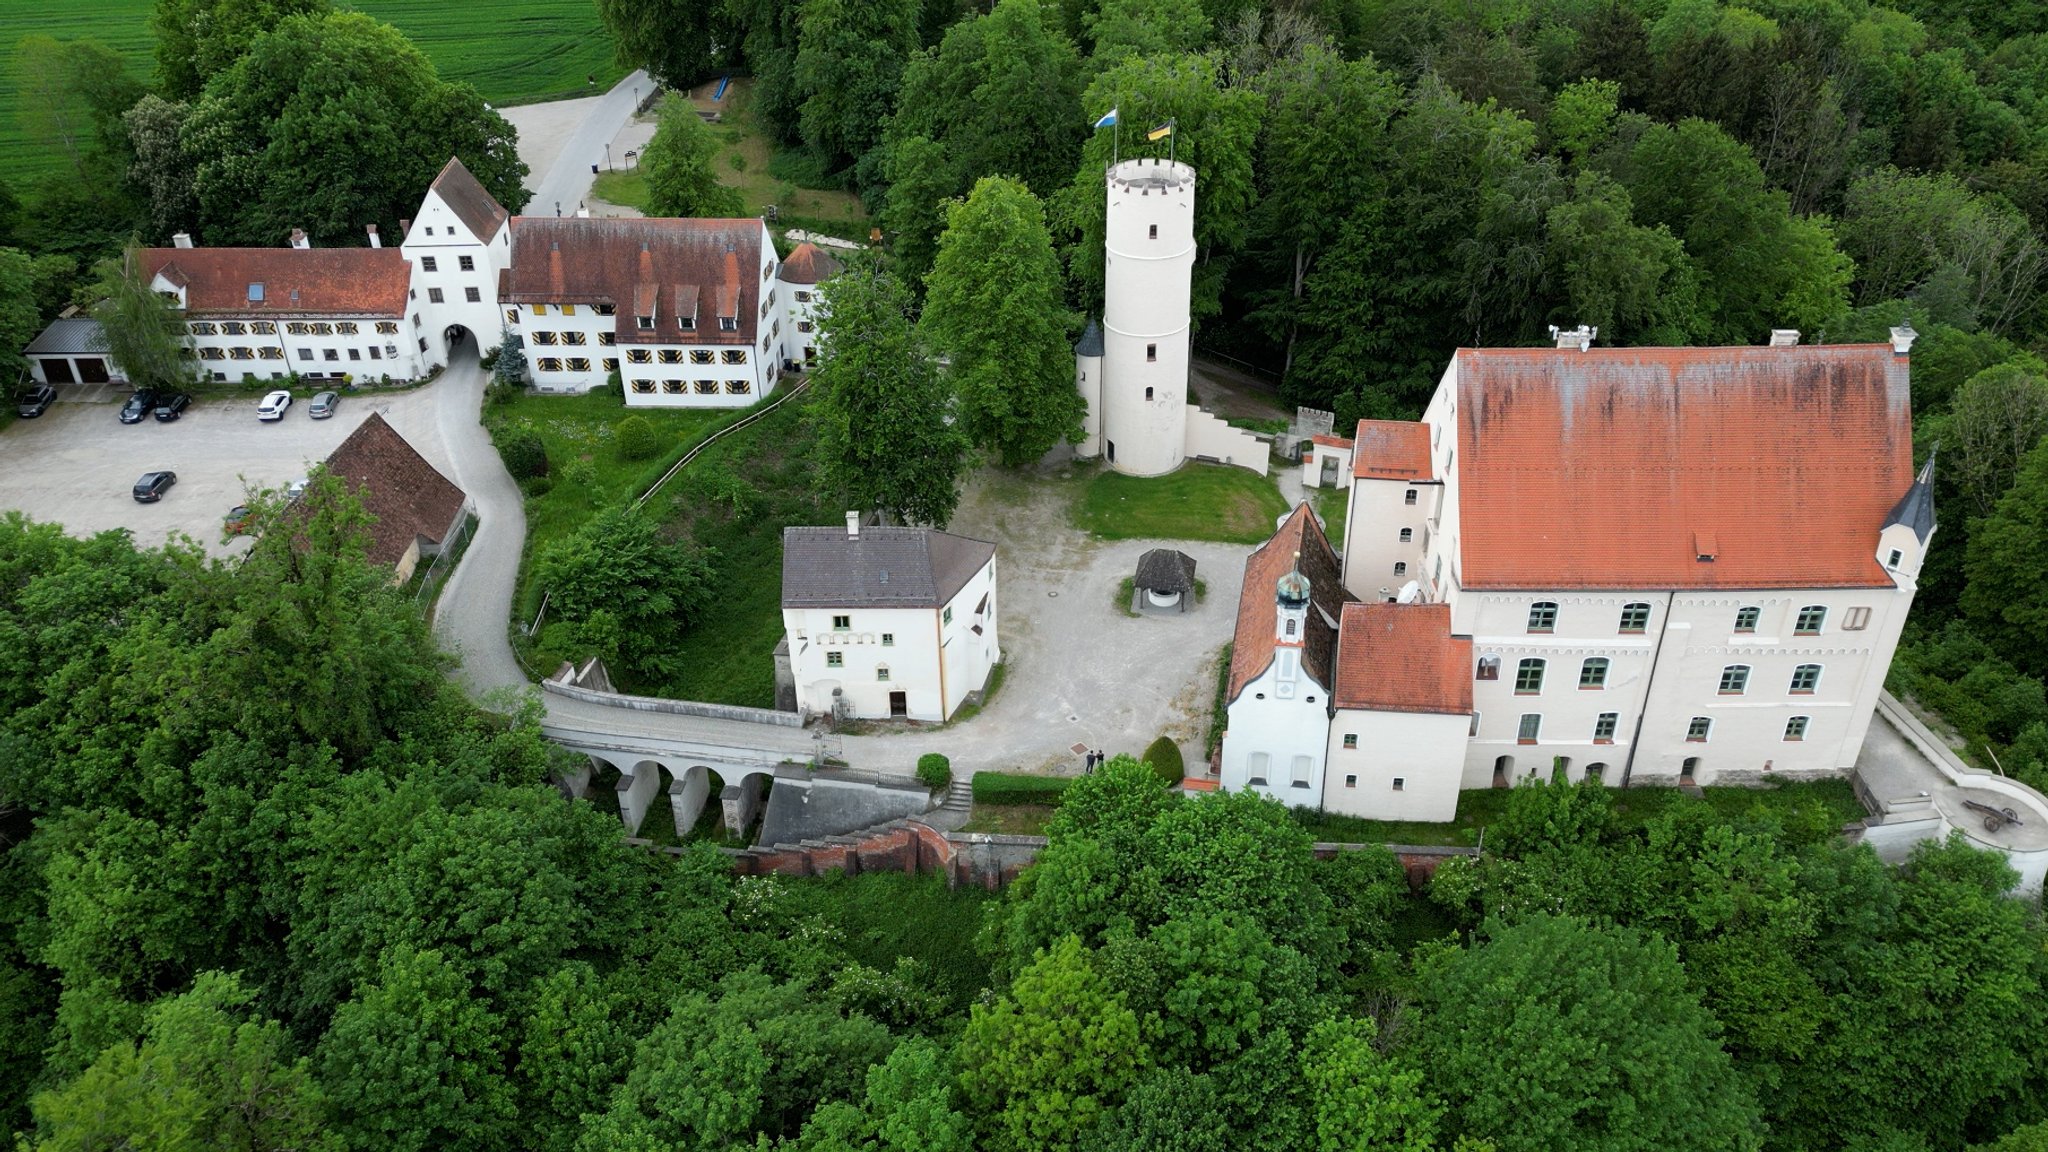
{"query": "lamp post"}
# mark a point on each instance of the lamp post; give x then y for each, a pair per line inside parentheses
(608, 156)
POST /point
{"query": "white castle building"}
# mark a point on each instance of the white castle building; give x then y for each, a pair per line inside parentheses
(1639, 565)
(1132, 370)
(690, 313)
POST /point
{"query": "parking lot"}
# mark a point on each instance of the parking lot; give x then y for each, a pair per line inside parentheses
(77, 462)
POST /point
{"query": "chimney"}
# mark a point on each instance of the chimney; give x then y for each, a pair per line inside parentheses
(299, 239)
(853, 525)
(404, 229)
(181, 240)
(376, 241)
(1784, 337)
(1903, 337)
(1580, 338)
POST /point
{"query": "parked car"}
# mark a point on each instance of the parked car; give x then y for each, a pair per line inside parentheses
(172, 407)
(138, 406)
(37, 401)
(237, 520)
(274, 405)
(153, 485)
(297, 488)
(323, 405)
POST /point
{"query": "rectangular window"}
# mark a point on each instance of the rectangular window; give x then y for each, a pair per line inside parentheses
(1152, 232)
(472, 295)
(579, 363)
(1635, 618)
(1795, 728)
(1407, 535)
(609, 363)
(671, 356)
(433, 296)
(674, 387)
(1543, 616)
(217, 354)
(646, 323)
(1805, 679)
(263, 327)
(1697, 731)
(355, 354)
(540, 309)
(835, 659)
(946, 616)
(1530, 728)
(1603, 727)
(549, 364)
(803, 297)
(577, 338)
(466, 263)
(1151, 351)
(305, 353)
(374, 354)
(735, 356)
(643, 387)
(882, 672)
(511, 315)
(1529, 677)
(233, 328)
(548, 339)
(738, 387)
(331, 353)
(568, 309)
(428, 263)
(1351, 740)
(1857, 620)
(387, 327)
(841, 623)
(728, 323)
(607, 339)
(1734, 679)
(700, 356)
(888, 639)
(639, 356)
(323, 329)
(803, 325)
(1893, 560)
(1351, 781)
(1400, 784)
(606, 309)
(347, 327)
(1301, 767)
(204, 328)
(298, 328)
(1255, 767)
(241, 353)
(707, 387)
(1811, 619)
(1409, 498)
(268, 353)
(1593, 673)
(1746, 619)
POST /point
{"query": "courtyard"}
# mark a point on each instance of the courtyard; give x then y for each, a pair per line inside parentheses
(76, 463)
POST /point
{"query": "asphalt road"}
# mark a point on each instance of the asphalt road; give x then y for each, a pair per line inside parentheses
(567, 183)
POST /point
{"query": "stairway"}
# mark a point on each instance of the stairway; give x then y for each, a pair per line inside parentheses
(959, 797)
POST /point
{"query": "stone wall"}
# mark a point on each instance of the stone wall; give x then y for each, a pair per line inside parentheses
(678, 707)
(982, 859)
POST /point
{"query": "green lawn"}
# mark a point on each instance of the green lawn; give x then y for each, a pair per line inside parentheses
(1334, 504)
(1010, 819)
(1198, 502)
(626, 188)
(517, 52)
(884, 915)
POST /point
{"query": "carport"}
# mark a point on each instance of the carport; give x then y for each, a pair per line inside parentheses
(66, 353)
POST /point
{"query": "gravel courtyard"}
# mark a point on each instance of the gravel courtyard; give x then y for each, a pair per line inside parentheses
(1078, 670)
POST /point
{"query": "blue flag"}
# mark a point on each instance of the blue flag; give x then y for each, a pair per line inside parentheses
(1108, 121)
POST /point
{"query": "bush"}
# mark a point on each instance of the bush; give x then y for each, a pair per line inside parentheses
(637, 439)
(1015, 788)
(935, 770)
(525, 455)
(1163, 757)
(537, 485)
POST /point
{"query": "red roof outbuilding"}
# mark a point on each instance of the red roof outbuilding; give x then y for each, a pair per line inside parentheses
(1402, 658)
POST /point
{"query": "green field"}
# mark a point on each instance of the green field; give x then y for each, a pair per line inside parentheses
(1197, 502)
(516, 52)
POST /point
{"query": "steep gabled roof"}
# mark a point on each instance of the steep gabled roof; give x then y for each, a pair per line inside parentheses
(880, 568)
(1166, 570)
(1606, 468)
(1402, 658)
(478, 210)
(409, 497)
(293, 281)
(1915, 509)
(1252, 652)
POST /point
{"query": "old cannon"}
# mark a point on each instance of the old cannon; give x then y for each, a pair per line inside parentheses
(1994, 818)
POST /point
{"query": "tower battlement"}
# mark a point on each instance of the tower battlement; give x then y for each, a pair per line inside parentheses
(1151, 176)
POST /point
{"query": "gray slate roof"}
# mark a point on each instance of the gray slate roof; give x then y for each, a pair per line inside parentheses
(881, 568)
(1165, 570)
(1916, 508)
(1091, 340)
(67, 337)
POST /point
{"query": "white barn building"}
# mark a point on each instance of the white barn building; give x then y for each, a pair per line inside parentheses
(1653, 565)
(888, 622)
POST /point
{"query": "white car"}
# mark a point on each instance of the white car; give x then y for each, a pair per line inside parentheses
(273, 405)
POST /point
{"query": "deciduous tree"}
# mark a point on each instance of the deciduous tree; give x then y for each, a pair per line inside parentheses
(1995, 419)
(850, 56)
(678, 41)
(619, 588)
(139, 329)
(197, 39)
(681, 179)
(20, 319)
(995, 308)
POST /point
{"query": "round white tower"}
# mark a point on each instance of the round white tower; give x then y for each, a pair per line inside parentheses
(1148, 271)
(1088, 381)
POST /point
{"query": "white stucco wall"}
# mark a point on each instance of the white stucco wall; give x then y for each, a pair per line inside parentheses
(1149, 259)
(933, 655)
(325, 348)
(1210, 438)
(1312, 466)
(1377, 513)
(1282, 722)
(799, 308)
(1423, 751)
(439, 235)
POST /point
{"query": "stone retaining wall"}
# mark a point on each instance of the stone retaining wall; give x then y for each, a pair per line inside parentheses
(678, 707)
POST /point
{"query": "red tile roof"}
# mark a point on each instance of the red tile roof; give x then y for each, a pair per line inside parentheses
(1391, 450)
(808, 264)
(326, 281)
(408, 496)
(1331, 441)
(1402, 658)
(625, 262)
(1612, 468)
(478, 210)
(1252, 652)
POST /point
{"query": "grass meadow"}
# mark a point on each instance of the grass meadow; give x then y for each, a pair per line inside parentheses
(516, 52)
(1198, 502)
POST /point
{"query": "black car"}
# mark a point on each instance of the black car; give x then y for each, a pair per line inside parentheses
(37, 401)
(173, 407)
(153, 485)
(138, 406)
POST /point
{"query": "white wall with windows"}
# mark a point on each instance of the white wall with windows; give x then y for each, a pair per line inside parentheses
(365, 349)
(455, 276)
(801, 339)
(1395, 765)
(913, 663)
(1277, 734)
(1387, 532)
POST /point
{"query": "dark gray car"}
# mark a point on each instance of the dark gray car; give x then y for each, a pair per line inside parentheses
(153, 485)
(37, 401)
(323, 405)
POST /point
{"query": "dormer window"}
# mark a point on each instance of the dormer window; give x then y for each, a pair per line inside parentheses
(646, 323)
(728, 323)
(1894, 559)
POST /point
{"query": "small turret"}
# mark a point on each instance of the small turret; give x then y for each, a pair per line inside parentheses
(1088, 381)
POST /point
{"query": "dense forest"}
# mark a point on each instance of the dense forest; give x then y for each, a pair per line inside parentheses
(272, 884)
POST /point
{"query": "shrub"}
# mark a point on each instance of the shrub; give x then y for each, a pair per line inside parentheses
(1163, 757)
(637, 439)
(1016, 788)
(537, 485)
(524, 454)
(935, 770)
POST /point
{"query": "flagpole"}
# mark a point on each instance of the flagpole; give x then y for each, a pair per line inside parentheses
(1116, 143)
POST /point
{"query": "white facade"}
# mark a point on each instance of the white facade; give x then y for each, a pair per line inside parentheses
(455, 275)
(1328, 463)
(801, 339)
(1278, 722)
(364, 349)
(1147, 282)
(913, 663)
(1395, 765)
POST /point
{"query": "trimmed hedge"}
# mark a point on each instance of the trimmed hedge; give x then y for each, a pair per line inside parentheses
(637, 439)
(1163, 757)
(525, 456)
(1016, 788)
(935, 770)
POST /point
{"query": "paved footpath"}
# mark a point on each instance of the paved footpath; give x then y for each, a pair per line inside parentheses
(567, 181)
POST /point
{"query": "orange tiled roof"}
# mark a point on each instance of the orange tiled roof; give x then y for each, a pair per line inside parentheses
(1331, 441)
(326, 281)
(808, 264)
(1391, 450)
(1608, 468)
(1252, 652)
(1402, 658)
